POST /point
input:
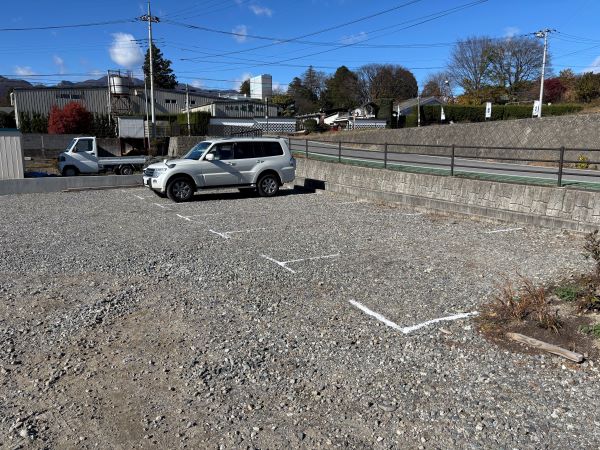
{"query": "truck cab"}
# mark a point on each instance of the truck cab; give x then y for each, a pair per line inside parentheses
(82, 157)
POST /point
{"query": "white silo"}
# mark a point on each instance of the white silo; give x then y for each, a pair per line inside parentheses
(261, 86)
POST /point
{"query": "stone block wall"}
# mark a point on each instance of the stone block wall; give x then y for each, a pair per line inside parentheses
(539, 205)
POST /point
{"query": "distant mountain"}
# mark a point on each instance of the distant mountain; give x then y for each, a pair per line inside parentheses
(6, 84)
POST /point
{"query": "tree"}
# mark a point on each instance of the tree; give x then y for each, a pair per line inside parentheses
(314, 82)
(437, 85)
(163, 75)
(304, 100)
(341, 90)
(553, 90)
(285, 102)
(73, 118)
(470, 62)
(515, 60)
(245, 88)
(378, 81)
(588, 87)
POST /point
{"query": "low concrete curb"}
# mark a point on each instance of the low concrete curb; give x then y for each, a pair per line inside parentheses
(57, 184)
(542, 206)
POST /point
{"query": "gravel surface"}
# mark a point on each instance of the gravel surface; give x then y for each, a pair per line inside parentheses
(125, 322)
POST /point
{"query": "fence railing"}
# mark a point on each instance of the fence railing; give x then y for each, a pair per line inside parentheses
(576, 164)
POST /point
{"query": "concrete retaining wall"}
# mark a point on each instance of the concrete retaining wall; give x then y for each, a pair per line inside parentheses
(179, 145)
(537, 205)
(57, 184)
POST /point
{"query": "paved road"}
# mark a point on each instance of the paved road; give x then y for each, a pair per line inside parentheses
(443, 162)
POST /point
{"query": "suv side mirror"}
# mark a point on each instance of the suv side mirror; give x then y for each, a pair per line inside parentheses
(210, 157)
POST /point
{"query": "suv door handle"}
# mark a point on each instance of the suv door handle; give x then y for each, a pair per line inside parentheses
(230, 163)
(260, 161)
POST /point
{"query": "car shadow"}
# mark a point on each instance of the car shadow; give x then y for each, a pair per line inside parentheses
(201, 197)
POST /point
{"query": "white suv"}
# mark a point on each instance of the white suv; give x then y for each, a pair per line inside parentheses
(263, 164)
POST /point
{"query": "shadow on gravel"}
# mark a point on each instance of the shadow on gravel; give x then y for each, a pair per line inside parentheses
(200, 197)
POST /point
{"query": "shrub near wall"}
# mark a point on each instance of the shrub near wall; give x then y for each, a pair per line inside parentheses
(430, 114)
(199, 122)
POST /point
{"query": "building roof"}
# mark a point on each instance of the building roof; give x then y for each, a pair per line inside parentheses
(412, 102)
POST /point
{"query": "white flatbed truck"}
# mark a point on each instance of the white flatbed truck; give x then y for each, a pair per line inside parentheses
(81, 157)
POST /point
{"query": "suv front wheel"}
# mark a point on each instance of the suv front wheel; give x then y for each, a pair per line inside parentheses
(180, 190)
(268, 185)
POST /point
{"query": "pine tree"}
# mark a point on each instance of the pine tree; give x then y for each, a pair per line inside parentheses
(163, 75)
(245, 88)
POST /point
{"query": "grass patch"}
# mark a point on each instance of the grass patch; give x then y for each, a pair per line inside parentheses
(593, 330)
(567, 293)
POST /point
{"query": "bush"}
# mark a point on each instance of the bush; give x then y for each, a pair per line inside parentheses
(199, 122)
(7, 120)
(466, 113)
(310, 125)
(33, 123)
(73, 118)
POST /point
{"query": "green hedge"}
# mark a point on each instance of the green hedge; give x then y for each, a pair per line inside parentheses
(199, 122)
(458, 113)
(7, 120)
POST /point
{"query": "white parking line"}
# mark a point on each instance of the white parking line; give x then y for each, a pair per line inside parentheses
(162, 206)
(141, 198)
(407, 330)
(285, 263)
(505, 230)
(227, 234)
(413, 214)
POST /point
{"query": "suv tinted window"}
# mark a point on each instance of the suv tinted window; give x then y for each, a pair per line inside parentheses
(263, 149)
(244, 150)
(222, 152)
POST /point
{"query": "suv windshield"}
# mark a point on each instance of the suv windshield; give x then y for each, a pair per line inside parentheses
(197, 150)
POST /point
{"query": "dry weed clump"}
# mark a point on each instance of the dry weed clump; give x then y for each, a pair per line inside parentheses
(528, 302)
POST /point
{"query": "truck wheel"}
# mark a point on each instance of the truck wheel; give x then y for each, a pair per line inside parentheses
(159, 194)
(126, 170)
(70, 171)
(180, 190)
(267, 185)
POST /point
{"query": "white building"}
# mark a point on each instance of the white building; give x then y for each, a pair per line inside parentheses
(261, 87)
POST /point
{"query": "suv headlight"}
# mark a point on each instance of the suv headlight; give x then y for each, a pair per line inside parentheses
(159, 172)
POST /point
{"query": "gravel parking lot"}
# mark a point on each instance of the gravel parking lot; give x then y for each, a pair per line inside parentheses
(299, 321)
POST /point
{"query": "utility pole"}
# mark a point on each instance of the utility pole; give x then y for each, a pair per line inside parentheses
(147, 119)
(418, 109)
(543, 34)
(151, 19)
(187, 107)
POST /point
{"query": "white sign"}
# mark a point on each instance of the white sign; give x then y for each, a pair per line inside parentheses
(443, 116)
(536, 108)
(488, 110)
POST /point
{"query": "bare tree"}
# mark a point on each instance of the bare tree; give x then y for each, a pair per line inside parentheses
(438, 84)
(470, 62)
(514, 61)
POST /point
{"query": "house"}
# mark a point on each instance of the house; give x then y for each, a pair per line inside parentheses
(408, 106)
(237, 108)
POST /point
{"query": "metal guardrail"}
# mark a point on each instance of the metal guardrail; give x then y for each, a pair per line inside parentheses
(452, 157)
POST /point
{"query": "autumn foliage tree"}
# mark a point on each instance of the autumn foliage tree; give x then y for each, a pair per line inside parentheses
(71, 119)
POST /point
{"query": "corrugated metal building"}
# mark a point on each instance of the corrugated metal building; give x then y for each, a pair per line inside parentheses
(11, 155)
(242, 108)
(97, 101)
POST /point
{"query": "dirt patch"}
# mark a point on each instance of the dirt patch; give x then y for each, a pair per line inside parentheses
(569, 335)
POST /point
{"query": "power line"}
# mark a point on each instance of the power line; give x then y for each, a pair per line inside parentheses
(81, 25)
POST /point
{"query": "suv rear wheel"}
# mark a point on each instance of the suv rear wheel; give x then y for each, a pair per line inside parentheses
(268, 185)
(180, 190)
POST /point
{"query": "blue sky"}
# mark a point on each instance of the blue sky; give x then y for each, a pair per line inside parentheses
(215, 59)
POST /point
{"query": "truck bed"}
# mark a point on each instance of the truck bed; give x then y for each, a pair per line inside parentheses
(117, 160)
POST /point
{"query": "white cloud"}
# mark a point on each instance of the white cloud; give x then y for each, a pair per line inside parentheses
(125, 51)
(24, 71)
(261, 10)
(511, 32)
(354, 38)
(594, 67)
(97, 73)
(197, 84)
(241, 32)
(60, 63)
